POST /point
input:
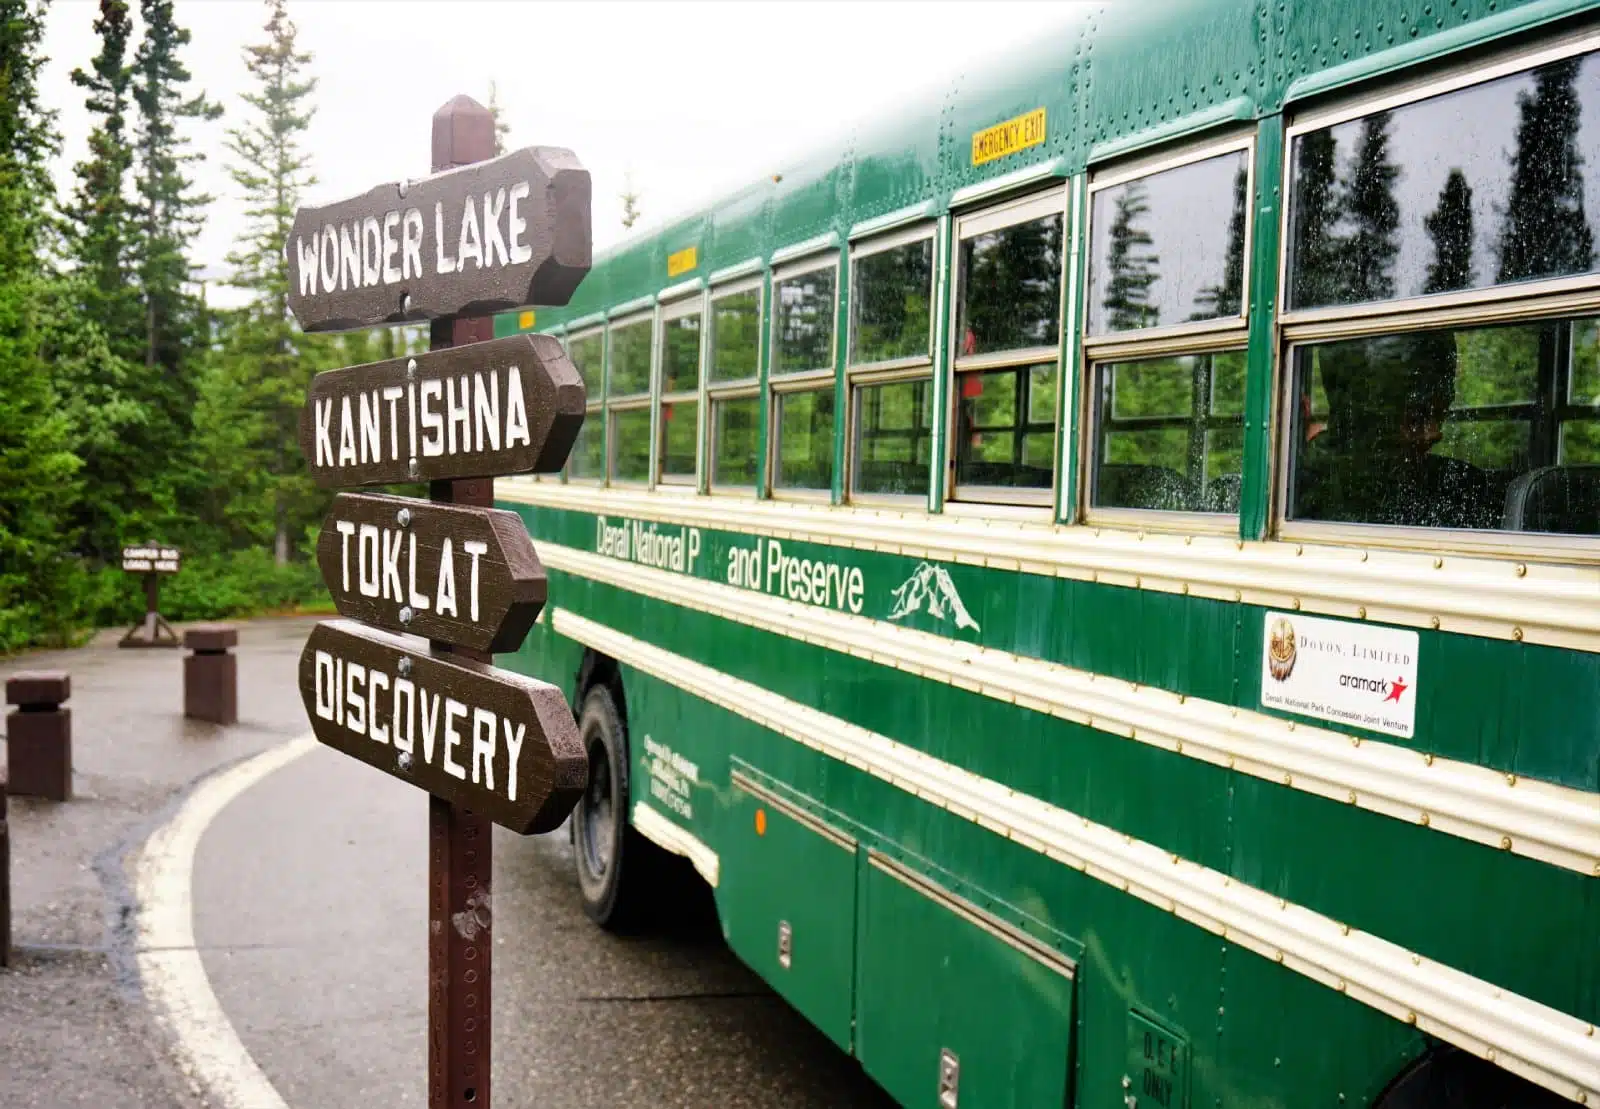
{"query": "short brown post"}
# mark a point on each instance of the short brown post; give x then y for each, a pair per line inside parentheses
(5, 880)
(211, 674)
(39, 735)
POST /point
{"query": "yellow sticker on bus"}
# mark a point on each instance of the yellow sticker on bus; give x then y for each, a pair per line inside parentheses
(681, 261)
(525, 321)
(1013, 135)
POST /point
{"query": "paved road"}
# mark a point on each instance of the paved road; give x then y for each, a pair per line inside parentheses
(309, 894)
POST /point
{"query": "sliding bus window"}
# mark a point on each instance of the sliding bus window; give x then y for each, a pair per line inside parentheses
(1007, 336)
(801, 377)
(586, 462)
(733, 385)
(1443, 364)
(678, 430)
(628, 399)
(890, 344)
(1166, 329)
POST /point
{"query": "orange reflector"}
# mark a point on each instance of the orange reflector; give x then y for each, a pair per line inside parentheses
(525, 320)
(761, 822)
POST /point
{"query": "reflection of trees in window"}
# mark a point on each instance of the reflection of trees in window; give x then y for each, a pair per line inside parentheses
(1130, 272)
(1546, 232)
(892, 294)
(1011, 287)
(1227, 297)
(735, 335)
(1373, 210)
(804, 335)
(1316, 214)
(1450, 228)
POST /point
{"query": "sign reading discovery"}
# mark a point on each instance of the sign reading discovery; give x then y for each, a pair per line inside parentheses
(482, 238)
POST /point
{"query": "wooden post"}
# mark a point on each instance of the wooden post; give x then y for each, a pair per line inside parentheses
(460, 847)
(39, 735)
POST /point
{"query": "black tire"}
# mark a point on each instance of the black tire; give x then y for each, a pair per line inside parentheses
(618, 869)
(1447, 1078)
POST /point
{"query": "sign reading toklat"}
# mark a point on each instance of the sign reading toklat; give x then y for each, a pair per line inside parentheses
(490, 740)
(464, 575)
(507, 406)
(478, 239)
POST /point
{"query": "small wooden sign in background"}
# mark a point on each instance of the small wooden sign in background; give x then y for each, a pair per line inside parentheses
(152, 560)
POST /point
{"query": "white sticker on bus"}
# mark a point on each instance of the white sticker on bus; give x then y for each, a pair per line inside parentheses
(1354, 674)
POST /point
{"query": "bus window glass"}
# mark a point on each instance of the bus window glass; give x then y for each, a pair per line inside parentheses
(891, 293)
(678, 435)
(802, 333)
(630, 444)
(586, 354)
(1010, 282)
(894, 429)
(1168, 248)
(1483, 428)
(735, 335)
(630, 359)
(680, 354)
(585, 462)
(1483, 186)
(1170, 433)
(1006, 427)
(733, 440)
(804, 455)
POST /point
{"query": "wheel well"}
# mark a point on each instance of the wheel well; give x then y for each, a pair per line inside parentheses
(1446, 1077)
(597, 669)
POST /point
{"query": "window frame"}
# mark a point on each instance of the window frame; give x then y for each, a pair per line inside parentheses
(1216, 336)
(1527, 302)
(738, 389)
(630, 401)
(860, 375)
(692, 303)
(800, 381)
(1055, 198)
(593, 405)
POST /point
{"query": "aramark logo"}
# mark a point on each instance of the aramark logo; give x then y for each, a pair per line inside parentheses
(929, 588)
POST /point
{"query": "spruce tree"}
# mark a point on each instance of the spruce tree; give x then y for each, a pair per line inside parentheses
(1129, 273)
(1374, 214)
(258, 384)
(496, 113)
(1546, 232)
(1226, 298)
(1450, 228)
(1317, 262)
(630, 201)
(37, 466)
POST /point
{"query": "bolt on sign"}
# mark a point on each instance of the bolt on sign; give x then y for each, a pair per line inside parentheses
(151, 560)
(460, 574)
(484, 235)
(493, 741)
(507, 406)
(481, 238)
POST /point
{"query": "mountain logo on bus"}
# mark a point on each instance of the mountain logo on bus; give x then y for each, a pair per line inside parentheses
(1281, 649)
(929, 589)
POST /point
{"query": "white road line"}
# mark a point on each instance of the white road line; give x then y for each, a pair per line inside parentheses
(170, 969)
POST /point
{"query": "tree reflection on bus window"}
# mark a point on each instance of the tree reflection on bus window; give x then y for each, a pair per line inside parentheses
(894, 437)
(891, 293)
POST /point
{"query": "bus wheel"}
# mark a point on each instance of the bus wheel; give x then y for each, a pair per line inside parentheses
(1448, 1078)
(616, 864)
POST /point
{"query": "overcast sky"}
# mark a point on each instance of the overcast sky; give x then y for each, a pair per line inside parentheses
(693, 99)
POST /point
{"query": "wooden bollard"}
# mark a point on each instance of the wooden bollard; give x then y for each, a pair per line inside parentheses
(211, 674)
(39, 735)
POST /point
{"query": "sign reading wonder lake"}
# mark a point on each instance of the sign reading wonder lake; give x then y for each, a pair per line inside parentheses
(477, 239)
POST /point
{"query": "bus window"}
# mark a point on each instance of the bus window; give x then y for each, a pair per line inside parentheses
(891, 301)
(628, 400)
(1006, 350)
(1487, 428)
(1166, 290)
(587, 460)
(733, 387)
(801, 377)
(678, 433)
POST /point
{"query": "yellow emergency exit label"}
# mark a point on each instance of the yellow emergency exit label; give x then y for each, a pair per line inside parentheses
(681, 261)
(1009, 137)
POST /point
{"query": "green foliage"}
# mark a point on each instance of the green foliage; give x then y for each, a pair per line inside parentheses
(1546, 231)
(497, 114)
(891, 298)
(1130, 272)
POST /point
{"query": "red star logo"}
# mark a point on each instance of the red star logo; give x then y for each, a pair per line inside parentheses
(1396, 689)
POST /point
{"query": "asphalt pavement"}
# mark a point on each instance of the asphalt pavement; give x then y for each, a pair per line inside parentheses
(310, 915)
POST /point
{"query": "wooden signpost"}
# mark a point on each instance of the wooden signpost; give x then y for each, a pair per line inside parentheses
(152, 560)
(487, 745)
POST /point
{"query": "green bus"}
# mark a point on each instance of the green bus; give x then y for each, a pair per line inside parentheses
(1101, 572)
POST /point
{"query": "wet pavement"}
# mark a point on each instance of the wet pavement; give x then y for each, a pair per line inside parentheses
(310, 914)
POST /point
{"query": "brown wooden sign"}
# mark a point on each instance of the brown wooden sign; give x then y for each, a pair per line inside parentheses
(474, 240)
(151, 559)
(463, 575)
(506, 406)
(489, 740)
